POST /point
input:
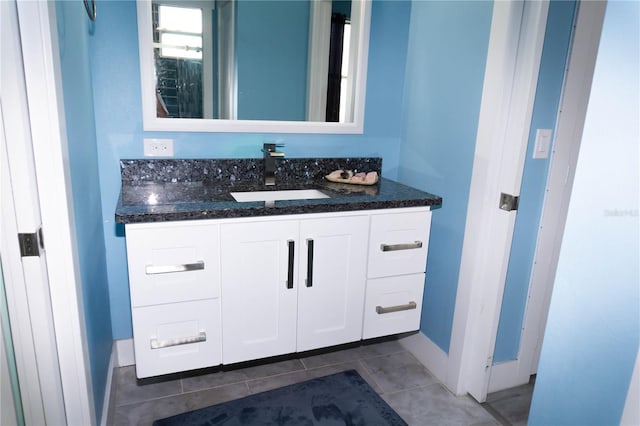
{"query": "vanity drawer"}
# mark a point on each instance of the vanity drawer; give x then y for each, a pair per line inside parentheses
(173, 263)
(398, 243)
(177, 337)
(393, 305)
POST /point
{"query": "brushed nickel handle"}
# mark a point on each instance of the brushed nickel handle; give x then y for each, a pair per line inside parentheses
(165, 343)
(396, 247)
(388, 309)
(165, 269)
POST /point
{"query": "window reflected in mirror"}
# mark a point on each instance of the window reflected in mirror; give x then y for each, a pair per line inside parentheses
(177, 42)
(253, 60)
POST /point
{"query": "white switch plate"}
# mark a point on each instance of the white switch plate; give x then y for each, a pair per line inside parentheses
(158, 147)
(542, 143)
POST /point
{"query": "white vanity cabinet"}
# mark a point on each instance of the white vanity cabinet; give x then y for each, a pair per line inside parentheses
(292, 285)
(206, 292)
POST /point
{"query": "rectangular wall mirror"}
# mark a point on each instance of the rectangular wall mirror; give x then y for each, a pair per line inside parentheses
(274, 66)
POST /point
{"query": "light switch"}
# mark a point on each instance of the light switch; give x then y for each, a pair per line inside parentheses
(542, 143)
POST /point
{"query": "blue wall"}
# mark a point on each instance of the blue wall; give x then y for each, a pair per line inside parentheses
(445, 71)
(73, 34)
(272, 39)
(116, 85)
(534, 180)
(592, 334)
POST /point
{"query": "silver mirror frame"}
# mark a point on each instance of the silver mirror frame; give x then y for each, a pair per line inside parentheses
(361, 16)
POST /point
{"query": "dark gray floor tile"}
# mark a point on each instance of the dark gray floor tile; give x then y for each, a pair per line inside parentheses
(273, 369)
(512, 404)
(371, 350)
(129, 390)
(331, 358)
(434, 405)
(274, 382)
(145, 413)
(212, 380)
(399, 371)
(337, 368)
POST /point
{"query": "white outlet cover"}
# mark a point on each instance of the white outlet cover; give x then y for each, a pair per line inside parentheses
(154, 147)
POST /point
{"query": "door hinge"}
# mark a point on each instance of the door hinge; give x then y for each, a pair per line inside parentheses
(508, 202)
(30, 244)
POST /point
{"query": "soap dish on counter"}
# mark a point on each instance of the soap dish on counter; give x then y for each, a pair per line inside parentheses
(347, 176)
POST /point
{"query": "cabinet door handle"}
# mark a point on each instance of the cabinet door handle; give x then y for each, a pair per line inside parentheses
(388, 309)
(165, 269)
(309, 280)
(396, 247)
(165, 343)
(292, 246)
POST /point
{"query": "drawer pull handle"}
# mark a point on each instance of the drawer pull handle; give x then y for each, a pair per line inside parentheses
(159, 344)
(396, 247)
(397, 308)
(165, 269)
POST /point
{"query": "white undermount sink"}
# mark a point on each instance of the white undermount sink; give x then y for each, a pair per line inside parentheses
(293, 194)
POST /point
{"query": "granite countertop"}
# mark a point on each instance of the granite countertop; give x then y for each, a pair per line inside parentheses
(170, 190)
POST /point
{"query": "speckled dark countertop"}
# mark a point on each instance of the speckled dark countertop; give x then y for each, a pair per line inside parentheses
(169, 190)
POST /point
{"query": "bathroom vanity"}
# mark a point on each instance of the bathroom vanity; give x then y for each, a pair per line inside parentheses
(216, 281)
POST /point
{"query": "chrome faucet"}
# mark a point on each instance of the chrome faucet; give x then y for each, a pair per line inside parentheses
(270, 154)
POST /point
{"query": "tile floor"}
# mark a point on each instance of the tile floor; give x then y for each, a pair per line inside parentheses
(392, 371)
(511, 406)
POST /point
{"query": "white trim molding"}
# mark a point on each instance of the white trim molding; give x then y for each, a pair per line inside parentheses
(631, 412)
(46, 110)
(428, 353)
(125, 353)
(107, 387)
(513, 62)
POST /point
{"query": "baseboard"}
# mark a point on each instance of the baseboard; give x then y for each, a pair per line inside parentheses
(126, 356)
(506, 375)
(107, 387)
(631, 412)
(428, 353)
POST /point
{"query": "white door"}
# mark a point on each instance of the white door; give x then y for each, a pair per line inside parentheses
(515, 48)
(575, 94)
(259, 289)
(333, 262)
(25, 271)
(498, 168)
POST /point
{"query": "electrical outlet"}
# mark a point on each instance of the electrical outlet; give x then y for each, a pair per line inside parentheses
(158, 147)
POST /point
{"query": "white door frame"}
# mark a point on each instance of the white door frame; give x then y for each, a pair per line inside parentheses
(513, 62)
(38, 34)
(568, 135)
(27, 286)
(17, 299)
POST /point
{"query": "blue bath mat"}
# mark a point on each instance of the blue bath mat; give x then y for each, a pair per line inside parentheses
(340, 399)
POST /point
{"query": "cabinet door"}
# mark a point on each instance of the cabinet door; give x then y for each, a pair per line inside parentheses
(258, 301)
(333, 260)
(172, 263)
